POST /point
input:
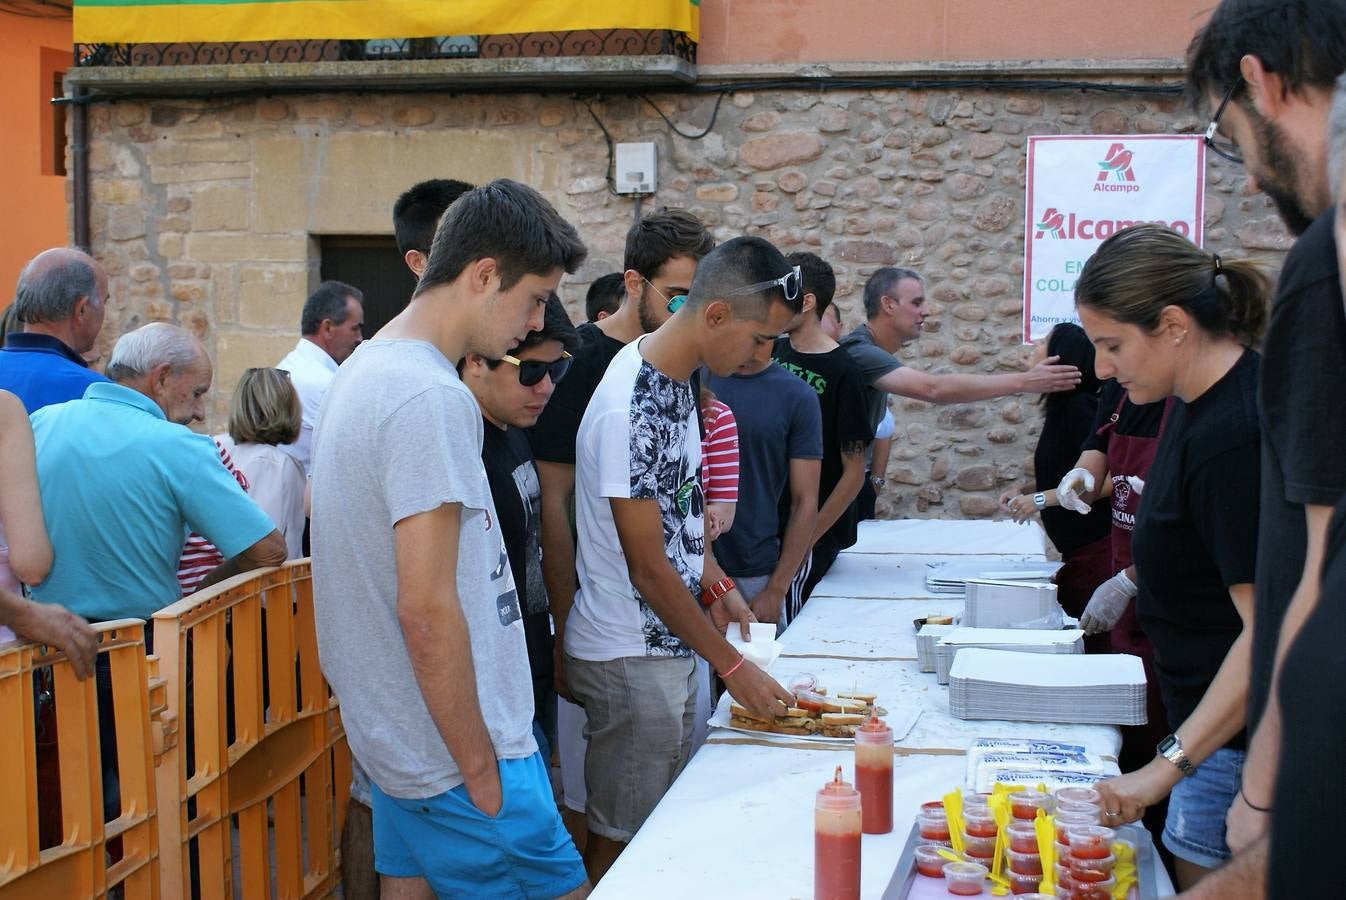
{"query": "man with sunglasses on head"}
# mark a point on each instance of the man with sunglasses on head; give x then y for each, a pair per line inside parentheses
(1267, 69)
(512, 391)
(649, 594)
(661, 254)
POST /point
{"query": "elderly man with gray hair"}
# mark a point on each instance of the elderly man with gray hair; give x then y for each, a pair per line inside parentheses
(59, 302)
(123, 482)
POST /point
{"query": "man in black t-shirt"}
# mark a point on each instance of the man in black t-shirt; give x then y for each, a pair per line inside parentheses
(1267, 68)
(512, 392)
(807, 351)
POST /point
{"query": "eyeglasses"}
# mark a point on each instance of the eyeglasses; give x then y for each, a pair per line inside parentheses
(789, 283)
(672, 305)
(1223, 149)
(532, 370)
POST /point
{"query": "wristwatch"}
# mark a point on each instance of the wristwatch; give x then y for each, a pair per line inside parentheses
(877, 482)
(1040, 501)
(1170, 748)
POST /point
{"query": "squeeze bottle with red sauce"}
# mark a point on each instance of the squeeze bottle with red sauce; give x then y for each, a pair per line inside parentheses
(836, 841)
(874, 774)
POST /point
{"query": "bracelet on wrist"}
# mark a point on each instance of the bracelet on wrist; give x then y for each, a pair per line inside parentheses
(711, 595)
(734, 668)
(1251, 805)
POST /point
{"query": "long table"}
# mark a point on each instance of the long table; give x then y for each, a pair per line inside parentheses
(738, 822)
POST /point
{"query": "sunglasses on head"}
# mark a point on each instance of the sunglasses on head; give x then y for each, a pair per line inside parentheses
(789, 283)
(532, 370)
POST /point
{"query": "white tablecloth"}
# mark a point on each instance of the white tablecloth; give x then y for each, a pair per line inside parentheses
(738, 822)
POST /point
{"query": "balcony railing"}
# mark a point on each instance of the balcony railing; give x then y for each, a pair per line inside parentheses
(531, 45)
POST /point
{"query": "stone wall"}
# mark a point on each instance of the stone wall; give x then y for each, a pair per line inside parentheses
(206, 213)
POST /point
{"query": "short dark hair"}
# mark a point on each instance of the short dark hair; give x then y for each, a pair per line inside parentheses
(556, 326)
(508, 222)
(657, 238)
(1302, 41)
(327, 302)
(882, 283)
(819, 279)
(736, 264)
(419, 209)
(605, 295)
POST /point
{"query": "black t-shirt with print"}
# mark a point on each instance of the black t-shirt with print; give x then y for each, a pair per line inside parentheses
(1303, 424)
(512, 477)
(553, 437)
(836, 379)
(1196, 536)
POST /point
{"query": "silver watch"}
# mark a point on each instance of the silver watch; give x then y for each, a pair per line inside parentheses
(1170, 748)
(1040, 500)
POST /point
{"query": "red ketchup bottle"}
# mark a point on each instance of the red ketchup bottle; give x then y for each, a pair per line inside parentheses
(874, 774)
(836, 841)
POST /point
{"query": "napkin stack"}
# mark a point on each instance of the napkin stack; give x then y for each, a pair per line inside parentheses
(1095, 689)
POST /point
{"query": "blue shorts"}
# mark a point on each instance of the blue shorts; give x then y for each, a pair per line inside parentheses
(524, 852)
(1194, 829)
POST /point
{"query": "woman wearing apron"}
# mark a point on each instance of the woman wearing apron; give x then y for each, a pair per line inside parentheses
(1169, 319)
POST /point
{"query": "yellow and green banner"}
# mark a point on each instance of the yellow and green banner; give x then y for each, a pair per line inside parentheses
(166, 21)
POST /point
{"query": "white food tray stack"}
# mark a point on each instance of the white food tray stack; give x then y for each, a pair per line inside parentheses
(1011, 604)
(1095, 689)
(1020, 640)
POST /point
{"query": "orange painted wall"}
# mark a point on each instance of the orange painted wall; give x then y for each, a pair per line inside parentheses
(820, 31)
(34, 212)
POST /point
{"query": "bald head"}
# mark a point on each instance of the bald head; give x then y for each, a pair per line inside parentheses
(61, 292)
(167, 364)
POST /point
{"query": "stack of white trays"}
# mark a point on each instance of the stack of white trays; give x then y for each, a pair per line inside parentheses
(1021, 640)
(1094, 689)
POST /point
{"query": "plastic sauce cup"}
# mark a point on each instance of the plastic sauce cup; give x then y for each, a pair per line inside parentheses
(1023, 837)
(1097, 890)
(1024, 863)
(1024, 884)
(1090, 841)
(1082, 794)
(979, 824)
(1025, 804)
(965, 879)
(928, 861)
(1091, 870)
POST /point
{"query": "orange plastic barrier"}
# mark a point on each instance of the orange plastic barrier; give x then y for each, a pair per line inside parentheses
(276, 766)
(233, 767)
(78, 866)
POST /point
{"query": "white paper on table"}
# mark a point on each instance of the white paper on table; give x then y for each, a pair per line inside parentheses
(1048, 669)
(900, 720)
(1026, 636)
(763, 649)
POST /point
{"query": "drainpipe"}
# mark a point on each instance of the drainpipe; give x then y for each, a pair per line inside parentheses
(79, 163)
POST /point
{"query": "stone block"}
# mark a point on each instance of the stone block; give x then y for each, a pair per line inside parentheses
(862, 251)
(725, 192)
(237, 350)
(786, 148)
(762, 121)
(229, 247)
(125, 223)
(116, 190)
(280, 184)
(220, 209)
(977, 507)
(271, 296)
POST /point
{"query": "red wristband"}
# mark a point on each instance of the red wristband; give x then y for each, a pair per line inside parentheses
(712, 594)
(734, 668)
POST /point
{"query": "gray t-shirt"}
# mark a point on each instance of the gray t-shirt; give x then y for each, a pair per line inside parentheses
(399, 435)
(874, 362)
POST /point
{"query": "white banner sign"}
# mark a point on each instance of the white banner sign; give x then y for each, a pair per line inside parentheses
(1084, 188)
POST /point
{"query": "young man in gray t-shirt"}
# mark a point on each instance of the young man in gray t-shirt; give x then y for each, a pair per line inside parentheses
(431, 671)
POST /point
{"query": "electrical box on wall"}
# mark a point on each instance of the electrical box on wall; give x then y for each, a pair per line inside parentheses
(636, 166)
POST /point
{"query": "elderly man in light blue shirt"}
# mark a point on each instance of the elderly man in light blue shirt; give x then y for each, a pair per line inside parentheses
(123, 482)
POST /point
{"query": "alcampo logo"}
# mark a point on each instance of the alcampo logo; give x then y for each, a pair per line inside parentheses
(1069, 225)
(1118, 165)
(1053, 223)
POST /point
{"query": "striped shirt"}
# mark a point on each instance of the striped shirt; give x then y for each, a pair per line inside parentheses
(719, 454)
(200, 556)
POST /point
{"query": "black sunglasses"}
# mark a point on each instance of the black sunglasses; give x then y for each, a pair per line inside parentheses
(532, 370)
(1223, 149)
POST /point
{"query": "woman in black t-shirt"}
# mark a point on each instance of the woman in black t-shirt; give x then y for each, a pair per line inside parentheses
(1085, 544)
(1170, 319)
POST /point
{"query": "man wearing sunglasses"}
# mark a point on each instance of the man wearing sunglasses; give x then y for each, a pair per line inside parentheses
(649, 594)
(512, 392)
(1267, 70)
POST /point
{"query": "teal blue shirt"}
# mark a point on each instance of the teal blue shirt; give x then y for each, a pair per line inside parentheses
(122, 487)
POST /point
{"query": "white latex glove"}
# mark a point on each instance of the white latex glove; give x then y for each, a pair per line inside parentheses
(1137, 484)
(1108, 603)
(1068, 491)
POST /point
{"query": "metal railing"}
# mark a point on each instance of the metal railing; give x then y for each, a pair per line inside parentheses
(539, 44)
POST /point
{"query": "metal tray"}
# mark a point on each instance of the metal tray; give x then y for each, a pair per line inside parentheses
(1146, 887)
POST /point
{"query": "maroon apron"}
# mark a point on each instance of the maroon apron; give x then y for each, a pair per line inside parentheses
(1129, 454)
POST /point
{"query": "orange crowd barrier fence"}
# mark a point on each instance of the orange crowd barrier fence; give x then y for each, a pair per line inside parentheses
(232, 765)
